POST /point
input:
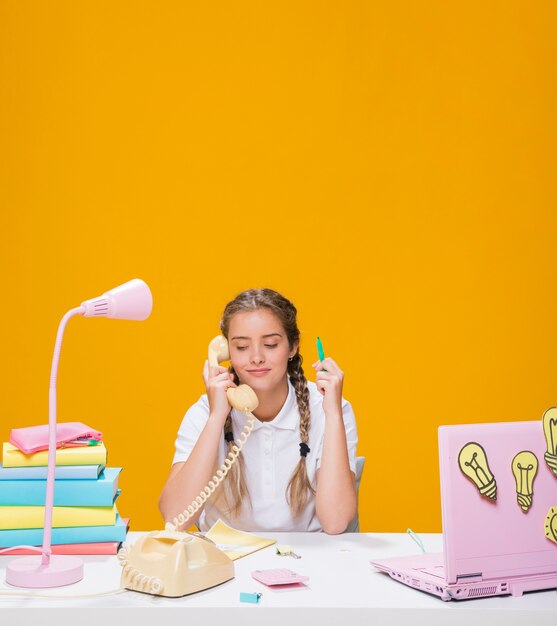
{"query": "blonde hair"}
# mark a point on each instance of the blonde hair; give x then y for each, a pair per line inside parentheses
(299, 487)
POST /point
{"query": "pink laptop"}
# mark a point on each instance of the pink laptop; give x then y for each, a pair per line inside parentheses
(494, 538)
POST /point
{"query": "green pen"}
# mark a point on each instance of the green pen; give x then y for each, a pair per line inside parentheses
(320, 352)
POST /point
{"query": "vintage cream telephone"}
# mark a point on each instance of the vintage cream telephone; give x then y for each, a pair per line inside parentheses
(174, 563)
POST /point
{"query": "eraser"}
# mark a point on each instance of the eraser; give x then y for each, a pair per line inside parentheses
(253, 598)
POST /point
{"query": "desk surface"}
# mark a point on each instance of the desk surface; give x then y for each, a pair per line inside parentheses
(343, 589)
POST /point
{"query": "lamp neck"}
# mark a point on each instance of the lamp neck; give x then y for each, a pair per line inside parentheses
(49, 501)
(58, 344)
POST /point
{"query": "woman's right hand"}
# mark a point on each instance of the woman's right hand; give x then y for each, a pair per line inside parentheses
(217, 381)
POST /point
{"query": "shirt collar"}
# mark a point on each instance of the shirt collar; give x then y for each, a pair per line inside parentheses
(287, 418)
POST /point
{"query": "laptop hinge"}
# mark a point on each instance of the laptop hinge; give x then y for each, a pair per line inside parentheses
(469, 578)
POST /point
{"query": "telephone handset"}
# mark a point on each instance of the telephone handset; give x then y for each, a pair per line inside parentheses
(173, 563)
(242, 397)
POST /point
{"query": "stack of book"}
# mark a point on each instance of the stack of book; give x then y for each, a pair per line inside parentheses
(84, 520)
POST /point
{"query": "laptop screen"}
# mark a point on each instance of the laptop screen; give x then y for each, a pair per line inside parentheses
(492, 526)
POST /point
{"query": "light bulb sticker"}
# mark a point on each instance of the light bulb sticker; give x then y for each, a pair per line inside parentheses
(472, 461)
(524, 467)
(551, 524)
(549, 421)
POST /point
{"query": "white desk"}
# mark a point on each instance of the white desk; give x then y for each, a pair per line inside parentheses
(344, 589)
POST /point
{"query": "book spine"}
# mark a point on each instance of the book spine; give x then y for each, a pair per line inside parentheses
(110, 547)
(21, 517)
(61, 472)
(87, 455)
(78, 534)
(98, 492)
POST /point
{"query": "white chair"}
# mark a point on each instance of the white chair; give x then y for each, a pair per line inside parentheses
(354, 526)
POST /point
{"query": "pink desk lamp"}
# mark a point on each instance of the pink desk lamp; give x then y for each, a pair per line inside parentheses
(130, 301)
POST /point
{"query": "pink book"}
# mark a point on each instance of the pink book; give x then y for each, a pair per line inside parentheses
(109, 547)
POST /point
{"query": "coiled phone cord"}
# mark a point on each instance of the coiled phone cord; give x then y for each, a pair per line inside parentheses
(192, 509)
(152, 584)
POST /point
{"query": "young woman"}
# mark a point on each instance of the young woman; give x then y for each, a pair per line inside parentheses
(296, 472)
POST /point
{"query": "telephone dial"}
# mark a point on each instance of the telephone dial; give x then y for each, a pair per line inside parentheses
(174, 563)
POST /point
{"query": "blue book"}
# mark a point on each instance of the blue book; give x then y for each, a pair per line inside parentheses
(71, 534)
(100, 492)
(62, 472)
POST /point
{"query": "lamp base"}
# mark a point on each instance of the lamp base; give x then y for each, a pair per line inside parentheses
(28, 571)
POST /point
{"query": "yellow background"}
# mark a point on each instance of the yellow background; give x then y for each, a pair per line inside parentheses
(389, 166)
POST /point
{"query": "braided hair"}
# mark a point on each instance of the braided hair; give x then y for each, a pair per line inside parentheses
(299, 487)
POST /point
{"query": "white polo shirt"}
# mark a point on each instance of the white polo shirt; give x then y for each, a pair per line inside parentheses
(271, 453)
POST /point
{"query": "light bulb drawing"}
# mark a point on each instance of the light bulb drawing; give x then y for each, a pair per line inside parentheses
(549, 420)
(472, 461)
(524, 467)
(551, 524)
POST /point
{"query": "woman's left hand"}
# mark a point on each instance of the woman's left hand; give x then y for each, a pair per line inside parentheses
(329, 379)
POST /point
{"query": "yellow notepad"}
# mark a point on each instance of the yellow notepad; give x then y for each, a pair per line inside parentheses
(79, 455)
(236, 543)
(17, 517)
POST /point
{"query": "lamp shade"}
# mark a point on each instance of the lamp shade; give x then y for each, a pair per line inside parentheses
(130, 301)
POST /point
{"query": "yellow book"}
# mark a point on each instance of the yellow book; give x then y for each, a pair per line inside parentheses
(236, 543)
(18, 517)
(79, 455)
